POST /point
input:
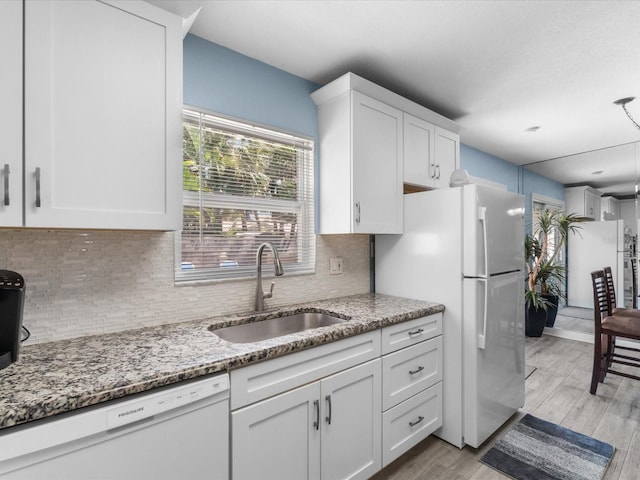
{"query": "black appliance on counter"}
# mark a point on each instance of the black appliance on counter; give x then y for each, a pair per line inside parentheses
(11, 307)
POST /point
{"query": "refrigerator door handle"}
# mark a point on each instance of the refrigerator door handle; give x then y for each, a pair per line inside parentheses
(482, 336)
(482, 216)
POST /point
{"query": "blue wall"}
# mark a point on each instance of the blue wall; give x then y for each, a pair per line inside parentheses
(483, 165)
(223, 81)
(517, 179)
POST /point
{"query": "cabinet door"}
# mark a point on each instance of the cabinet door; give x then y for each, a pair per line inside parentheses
(351, 417)
(419, 168)
(377, 166)
(103, 95)
(278, 438)
(11, 113)
(591, 205)
(447, 156)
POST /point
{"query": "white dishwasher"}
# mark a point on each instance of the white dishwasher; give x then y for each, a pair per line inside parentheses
(178, 432)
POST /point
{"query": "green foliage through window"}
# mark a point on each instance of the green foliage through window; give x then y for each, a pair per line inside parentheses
(243, 185)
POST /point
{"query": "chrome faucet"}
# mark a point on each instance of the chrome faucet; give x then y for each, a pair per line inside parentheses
(260, 295)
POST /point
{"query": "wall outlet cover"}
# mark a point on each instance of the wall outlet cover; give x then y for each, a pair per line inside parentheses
(335, 266)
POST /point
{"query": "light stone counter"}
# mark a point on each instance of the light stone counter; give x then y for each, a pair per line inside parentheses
(58, 377)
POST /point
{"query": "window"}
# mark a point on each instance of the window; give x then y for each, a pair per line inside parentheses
(540, 203)
(243, 185)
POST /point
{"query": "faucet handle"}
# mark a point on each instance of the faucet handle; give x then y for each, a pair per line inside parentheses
(270, 294)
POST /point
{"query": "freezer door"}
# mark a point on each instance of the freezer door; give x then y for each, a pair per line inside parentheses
(493, 353)
(493, 222)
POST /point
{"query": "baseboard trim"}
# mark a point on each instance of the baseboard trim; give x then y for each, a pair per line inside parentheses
(569, 334)
(584, 337)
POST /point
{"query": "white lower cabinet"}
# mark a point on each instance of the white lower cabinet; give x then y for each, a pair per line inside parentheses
(411, 384)
(411, 421)
(411, 370)
(338, 411)
(351, 432)
(276, 438)
(329, 429)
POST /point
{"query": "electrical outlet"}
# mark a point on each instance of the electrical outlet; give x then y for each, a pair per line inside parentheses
(335, 266)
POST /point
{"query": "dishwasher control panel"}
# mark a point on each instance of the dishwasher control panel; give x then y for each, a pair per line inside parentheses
(156, 403)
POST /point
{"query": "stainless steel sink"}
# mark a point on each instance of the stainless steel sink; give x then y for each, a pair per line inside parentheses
(275, 327)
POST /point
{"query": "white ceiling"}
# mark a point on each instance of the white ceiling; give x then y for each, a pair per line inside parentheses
(495, 67)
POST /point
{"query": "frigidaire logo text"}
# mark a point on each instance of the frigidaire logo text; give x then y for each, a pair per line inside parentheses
(130, 412)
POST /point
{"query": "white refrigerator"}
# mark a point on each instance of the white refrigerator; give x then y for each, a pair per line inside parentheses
(594, 246)
(464, 247)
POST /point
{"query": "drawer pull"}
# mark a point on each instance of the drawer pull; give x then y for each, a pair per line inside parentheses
(413, 424)
(316, 424)
(413, 333)
(417, 370)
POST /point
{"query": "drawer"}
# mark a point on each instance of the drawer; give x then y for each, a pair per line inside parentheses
(410, 422)
(410, 370)
(265, 379)
(409, 333)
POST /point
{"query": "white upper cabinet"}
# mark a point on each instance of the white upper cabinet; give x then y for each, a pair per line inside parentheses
(609, 208)
(373, 144)
(419, 164)
(431, 154)
(447, 156)
(103, 99)
(377, 166)
(11, 113)
(583, 201)
(360, 165)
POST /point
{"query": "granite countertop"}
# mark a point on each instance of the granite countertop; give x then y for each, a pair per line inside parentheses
(57, 377)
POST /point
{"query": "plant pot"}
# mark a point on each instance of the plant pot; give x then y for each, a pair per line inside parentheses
(552, 309)
(535, 320)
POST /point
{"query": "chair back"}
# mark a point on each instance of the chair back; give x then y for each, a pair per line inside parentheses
(611, 288)
(600, 297)
(634, 281)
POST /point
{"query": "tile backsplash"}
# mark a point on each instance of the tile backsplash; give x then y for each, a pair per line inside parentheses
(89, 282)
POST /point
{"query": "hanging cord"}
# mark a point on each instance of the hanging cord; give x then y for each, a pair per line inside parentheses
(624, 107)
(623, 103)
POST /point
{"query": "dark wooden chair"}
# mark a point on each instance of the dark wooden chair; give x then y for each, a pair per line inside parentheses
(611, 294)
(634, 280)
(608, 328)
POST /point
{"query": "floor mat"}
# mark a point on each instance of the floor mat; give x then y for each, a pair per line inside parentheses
(534, 449)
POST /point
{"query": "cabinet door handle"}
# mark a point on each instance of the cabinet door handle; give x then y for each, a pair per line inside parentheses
(417, 370)
(438, 167)
(316, 404)
(7, 171)
(357, 212)
(414, 333)
(328, 417)
(413, 424)
(433, 171)
(38, 203)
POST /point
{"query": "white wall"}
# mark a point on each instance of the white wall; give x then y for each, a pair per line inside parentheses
(89, 282)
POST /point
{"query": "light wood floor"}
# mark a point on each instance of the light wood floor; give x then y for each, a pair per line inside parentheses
(558, 391)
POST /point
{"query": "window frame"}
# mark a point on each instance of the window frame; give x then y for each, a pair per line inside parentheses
(303, 206)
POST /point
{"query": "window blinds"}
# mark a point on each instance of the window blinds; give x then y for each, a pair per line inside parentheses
(243, 185)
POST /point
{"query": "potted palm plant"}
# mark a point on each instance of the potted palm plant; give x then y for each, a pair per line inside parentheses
(545, 274)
